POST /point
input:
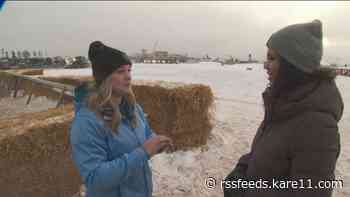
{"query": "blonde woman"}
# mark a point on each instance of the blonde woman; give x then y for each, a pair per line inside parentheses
(110, 137)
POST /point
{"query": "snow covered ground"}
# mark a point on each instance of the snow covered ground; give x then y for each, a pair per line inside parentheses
(238, 112)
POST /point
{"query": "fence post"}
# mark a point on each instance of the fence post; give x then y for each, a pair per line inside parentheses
(60, 100)
(29, 98)
(15, 88)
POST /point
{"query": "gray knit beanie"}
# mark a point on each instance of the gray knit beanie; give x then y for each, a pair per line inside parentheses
(299, 44)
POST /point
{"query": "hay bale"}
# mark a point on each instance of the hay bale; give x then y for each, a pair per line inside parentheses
(32, 72)
(36, 158)
(35, 151)
(16, 125)
(180, 111)
(174, 109)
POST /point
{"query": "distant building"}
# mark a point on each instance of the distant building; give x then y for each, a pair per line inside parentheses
(206, 58)
(159, 57)
(78, 62)
(4, 63)
(69, 60)
(143, 52)
(58, 60)
(161, 54)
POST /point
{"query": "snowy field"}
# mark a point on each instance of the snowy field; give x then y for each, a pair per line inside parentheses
(238, 112)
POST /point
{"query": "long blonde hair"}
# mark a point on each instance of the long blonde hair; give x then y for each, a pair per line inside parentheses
(103, 96)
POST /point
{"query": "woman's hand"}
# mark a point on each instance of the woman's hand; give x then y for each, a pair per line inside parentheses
(157, 144)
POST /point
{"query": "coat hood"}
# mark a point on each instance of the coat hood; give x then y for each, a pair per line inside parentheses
(80, 95)
(317, 96)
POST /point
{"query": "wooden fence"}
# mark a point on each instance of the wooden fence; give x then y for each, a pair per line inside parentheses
(36, 87)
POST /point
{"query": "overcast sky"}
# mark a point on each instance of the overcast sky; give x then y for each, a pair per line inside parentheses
(196, 28)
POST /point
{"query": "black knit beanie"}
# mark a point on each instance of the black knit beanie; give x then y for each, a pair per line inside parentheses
(105, 60)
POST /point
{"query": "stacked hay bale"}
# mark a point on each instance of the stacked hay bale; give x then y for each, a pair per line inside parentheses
(35, 155)
(180, 111)
(31, 72)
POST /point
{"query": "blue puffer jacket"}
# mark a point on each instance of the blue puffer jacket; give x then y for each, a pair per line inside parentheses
(111, 165)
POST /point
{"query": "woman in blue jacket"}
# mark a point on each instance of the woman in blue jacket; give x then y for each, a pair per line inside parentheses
(110, 136)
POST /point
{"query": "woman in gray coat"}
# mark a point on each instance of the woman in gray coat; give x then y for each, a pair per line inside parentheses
(296, 147)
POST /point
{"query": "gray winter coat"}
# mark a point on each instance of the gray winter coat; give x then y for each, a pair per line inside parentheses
(298, 139)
